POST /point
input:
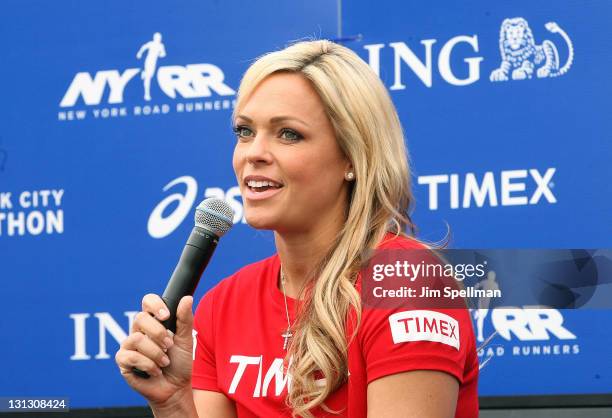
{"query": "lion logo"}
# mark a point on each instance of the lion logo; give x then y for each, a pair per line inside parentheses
(521, 56)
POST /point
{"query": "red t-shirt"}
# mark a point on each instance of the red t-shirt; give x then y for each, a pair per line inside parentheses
(238, 351)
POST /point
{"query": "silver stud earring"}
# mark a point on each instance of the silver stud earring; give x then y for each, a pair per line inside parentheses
(350, 176)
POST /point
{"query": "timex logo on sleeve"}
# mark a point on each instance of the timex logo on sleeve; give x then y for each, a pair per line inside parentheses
(424, 325)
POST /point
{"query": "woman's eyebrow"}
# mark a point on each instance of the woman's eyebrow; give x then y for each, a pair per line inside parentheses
(275, 120)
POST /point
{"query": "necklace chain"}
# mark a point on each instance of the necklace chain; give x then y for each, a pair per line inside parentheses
(287, 334)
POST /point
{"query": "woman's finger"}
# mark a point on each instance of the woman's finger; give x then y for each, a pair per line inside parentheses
(144, 345)
(152, 328)
(155, 305)
(128, 359)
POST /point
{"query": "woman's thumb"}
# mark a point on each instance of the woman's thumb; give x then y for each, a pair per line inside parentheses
(184, 321)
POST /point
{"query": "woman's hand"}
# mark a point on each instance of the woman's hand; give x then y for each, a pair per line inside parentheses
(167, 358)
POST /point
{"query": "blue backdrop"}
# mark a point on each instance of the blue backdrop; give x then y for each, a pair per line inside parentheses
(98, 184)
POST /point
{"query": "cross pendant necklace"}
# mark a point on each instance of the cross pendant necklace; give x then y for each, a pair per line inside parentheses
(288, 334)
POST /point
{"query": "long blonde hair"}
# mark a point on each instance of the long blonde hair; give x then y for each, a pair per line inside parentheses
(368, 131)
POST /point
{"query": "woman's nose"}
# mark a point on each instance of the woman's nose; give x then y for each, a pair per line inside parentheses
(258, 151)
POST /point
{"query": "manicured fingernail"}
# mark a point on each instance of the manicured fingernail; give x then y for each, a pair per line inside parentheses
(165, 361)
(163, 313)
(168, 342)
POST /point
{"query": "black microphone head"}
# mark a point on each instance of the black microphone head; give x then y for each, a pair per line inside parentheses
(214, 215)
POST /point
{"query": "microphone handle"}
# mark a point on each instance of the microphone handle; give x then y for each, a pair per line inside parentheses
(186, 276)
(194, 259)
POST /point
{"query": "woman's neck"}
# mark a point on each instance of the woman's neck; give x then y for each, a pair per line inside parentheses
(300, 253)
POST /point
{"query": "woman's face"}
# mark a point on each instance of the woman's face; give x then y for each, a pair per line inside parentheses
(287, 161)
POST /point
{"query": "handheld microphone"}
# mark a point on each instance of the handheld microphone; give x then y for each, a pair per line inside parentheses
(213, 218)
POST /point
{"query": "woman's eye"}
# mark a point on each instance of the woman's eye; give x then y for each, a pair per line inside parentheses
(242, 131)
(290, 135)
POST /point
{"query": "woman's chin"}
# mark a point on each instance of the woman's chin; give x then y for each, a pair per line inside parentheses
(260, 222)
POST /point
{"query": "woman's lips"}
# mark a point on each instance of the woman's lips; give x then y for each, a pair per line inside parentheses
(251, 194)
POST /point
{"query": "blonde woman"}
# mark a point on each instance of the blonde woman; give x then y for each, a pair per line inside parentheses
(320, 160)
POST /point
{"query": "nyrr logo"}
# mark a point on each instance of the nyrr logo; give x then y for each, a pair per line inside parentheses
(521, 57)
(530, 324)
(191, 81)
(526, 331)
(161, 224)
(506, 188)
